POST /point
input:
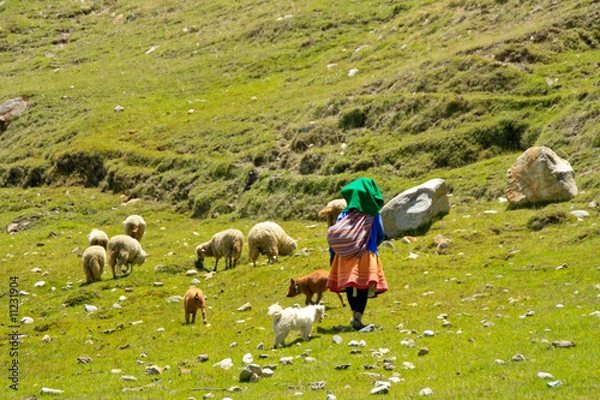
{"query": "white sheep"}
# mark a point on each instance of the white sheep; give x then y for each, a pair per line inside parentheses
(135, 226)
(269, 239)
(94, 260)
(332, 210)
(125, 251)
(227, 243)
(98, 237)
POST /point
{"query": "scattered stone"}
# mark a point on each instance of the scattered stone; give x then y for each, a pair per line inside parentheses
(116, 306)
(356, 343)
(367, 329)
(388, 366)
(202, 358)
(267, 372)
(90, 308)
(337, 339)
(563, 343)
(423, 351)
(580, 213)
(158, 284)
(84, 360)
(36, 270)
(246, 375)
(153, 370)
(330, 396)
(409, 239)
(39, 284)
(46, 338)
(342, 366)
(286, 360)
(544, 375)
(26, 320)
(173, 299)
(118, 108)
(517, 358)
(408, 365)
(530, 313)
(247, 359)
(46, 390)
(554, 384)
(310, 359)
(499, 362)
(488, 324)
(224, 364)
(318, 385)
(191, 272)
(245, 307)
(426, 392)
(116, 371)
(380, 390)
(428, 333)
(128, 378)
(446, 324)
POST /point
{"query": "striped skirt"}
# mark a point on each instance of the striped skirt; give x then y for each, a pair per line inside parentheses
(360, 273)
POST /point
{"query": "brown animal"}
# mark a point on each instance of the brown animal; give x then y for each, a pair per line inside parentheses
(315, 282)
(192, 301)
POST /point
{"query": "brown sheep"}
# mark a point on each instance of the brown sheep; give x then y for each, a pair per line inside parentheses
(192, 301)
(315, 282)
(332, 210)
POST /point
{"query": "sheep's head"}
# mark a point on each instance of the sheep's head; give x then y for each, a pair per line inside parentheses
(141, 258)
(319, 312)
(289, 247)
(201, 253)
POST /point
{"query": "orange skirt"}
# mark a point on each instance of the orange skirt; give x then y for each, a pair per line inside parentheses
(360, 273)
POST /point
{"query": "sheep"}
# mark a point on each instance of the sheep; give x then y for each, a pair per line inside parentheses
(227, 243)
(332, 210)
(94, 260)
(98, 237)
(269, 239)
(192, 301)
(315, 282)
(124, 250)
(135, 226)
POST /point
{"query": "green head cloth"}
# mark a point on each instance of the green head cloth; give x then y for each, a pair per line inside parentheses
(364, 195)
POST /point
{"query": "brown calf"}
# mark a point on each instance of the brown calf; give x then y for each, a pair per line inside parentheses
(192, 301)
(315, 282)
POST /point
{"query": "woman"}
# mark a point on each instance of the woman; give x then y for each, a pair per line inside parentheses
(360, 274)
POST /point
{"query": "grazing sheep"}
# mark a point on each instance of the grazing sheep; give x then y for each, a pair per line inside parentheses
(269, 239)
(135, 226)
(192, 301)
(124, 250)
(332, 210)
(228, 244)
(94, 260)
(315, 282)
(98, 237)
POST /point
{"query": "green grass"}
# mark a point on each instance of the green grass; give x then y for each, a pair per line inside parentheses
(496, 269)
(216, 132)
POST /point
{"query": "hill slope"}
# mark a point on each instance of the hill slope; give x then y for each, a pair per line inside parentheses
(228, 104)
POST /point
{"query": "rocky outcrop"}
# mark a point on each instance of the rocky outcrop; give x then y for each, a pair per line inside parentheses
(540, 176)
(415, 207)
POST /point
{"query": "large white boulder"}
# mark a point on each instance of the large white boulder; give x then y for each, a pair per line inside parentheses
(540, 176)
(415, 207)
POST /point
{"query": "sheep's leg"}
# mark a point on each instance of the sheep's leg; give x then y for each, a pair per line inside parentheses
(234, 263)
(117, 274)
(216, 263)
(306, 332)
(253, 255)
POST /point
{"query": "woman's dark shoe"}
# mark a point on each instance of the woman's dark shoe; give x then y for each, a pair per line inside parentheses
(356, 324)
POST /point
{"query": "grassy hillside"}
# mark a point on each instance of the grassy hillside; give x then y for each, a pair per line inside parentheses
(233, 112)
(242, 108)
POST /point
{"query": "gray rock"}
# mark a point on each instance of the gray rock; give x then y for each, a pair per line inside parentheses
(337, 339)
(563, 343)
(544, 375)
(245, 307)
(517, 358)
(202, 358)
(128, 378)
(415, 207)
(580, 213)
(153, 370)
(46, 390)
(267, 372)
(425, 392)
(380, 390)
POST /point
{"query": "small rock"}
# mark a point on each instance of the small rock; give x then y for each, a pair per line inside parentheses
(352, 72)
(318, 385)
(425, 392)
(286, 360)
(153, 370)
(160, 330)
(39, 284)
(554, 384)
(116, 306)
(245, 307)
(26, 320)
(368, 328)
(408, 365)
(46, 390)
(428, 333)
(191, 272)
(330, 396)
(247, 358)
(517, 358)
(158, 284)
(267, 372)
(488, 324)
(260, 346)
(224, 364)
(173, 299)
(342, 366)
(202, 358)
(90, 308)
(580, 213)
(118, 108)
(380, 390)
(499, 362)
(115, 371)
(544, 375)
(563, 343)
(36, 270)
(128, 378)
(246, 375)
(423, 351)
(337, 339)
(84, 360)
(46, 339)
